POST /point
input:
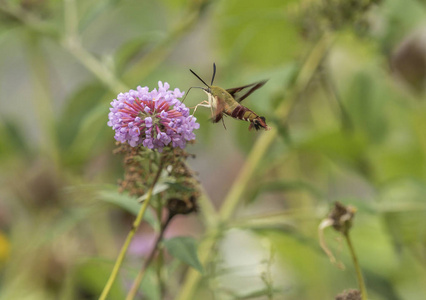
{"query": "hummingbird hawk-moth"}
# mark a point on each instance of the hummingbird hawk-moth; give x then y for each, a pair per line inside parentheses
(227, 102)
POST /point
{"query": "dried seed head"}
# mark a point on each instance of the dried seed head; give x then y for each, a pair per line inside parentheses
(349, 295)
(178, 206)
(342, 217)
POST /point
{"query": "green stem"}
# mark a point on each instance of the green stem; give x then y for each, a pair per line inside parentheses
(208, 212)
(259, 150)
(238, 187)
(104, 74)
(130, 235)
(332, 93)
(360, 279)
(26, 18)
(265, 141)
(149, 62)
(42, 99)
(135, 287)
(72, 43)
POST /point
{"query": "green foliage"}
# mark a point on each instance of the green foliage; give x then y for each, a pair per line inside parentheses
(345, 98)
(259, 26)
(184, 249)
(77, 111)
(91, 277)
(130, 204)
(11, 140)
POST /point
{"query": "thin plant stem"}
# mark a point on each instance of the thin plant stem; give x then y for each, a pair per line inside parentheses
(149, 62)
(238, 187)
(359, 276)
(331, 90)
(265, 141)
(230, 204)
(136, 284)
(72, 43)
(130, 235)
(29, 20)
(70, 18)
(103, 73)
(43, 102)
(208, 212)
(159, 272)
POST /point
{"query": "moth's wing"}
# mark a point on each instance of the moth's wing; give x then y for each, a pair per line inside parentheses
(217, 112)
(234, 91)
(217, 118)
(242, 92)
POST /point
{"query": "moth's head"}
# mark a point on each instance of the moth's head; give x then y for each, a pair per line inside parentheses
(207, 90)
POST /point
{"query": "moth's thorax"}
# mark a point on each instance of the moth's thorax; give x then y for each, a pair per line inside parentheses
(218, 94)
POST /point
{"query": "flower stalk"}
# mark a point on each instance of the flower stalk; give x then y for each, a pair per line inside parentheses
(175, 206)
(136, 284)
(130, 235)
(359, 276)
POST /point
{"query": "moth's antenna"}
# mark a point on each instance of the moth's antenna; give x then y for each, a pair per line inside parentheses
(199, 77)
(214, 72)
(192, 87)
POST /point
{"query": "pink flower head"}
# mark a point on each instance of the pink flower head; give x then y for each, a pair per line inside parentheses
(154, 119)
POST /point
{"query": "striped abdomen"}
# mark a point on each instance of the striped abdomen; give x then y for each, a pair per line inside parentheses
(243, 113)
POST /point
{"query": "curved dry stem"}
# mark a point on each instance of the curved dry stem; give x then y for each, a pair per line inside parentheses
(323, 225)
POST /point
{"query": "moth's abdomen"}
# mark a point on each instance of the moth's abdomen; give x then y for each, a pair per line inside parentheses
(243, 113)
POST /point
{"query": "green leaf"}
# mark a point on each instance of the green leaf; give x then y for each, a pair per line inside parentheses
(78, 107)
(122, 200)
(281, 185)
(128, 203)
(158, 188)
(365, 106)
(285, 185)
(257, 32)
(95, 11)
(129, 50)
(12, 140)
(89, 138)
(150, 285)
(404, 212)
(185, 249)
(337, 145)
(91, 276)
(259, 293)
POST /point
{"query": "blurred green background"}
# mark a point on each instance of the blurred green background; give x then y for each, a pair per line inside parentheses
(345, 99)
